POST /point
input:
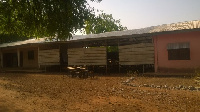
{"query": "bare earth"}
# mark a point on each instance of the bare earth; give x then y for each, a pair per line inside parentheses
(54, 93)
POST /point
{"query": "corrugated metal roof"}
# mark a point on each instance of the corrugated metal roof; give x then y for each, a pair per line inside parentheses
(177, 26)
(153, 29)
(113, 34)
(30, 41)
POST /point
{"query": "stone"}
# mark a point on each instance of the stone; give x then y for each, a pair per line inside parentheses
(132, 78)
(127, 81)
(165, 86)
(177, 87)
(145, 85)
(123, 82)
(158, 86)
(197, 81)
(128, 84)
(198, 78)
(183, 88)
(191, 88)
(197, 88)
(180, 86)
(113, 89)
(133, 85)
(152, 85)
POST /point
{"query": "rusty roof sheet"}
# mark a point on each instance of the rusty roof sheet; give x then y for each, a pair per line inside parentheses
(153, 29)
(30, 41)
(149, 30)
(177, 26)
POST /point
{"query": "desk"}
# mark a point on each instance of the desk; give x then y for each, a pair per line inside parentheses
(81, 72)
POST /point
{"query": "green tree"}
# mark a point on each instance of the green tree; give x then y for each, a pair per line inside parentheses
(102, 23)
(5, 38)
(38, 18)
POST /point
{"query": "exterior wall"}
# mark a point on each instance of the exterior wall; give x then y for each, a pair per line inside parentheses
(162, 64)
(87, 56)
(49, 57)
(26, 62)
(30, 63)
(136, 54)
(43, 57)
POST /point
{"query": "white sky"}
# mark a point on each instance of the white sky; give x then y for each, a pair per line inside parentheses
(136, 14)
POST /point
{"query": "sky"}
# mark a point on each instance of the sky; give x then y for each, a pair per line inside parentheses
(135, 14)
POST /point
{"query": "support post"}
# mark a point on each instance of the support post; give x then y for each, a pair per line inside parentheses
(118, 54)
(143, 69)
(1, 59)
(18, 57)
(155, 54)
(60, 58)
(84, 49)
(106, 57)
(38, 58)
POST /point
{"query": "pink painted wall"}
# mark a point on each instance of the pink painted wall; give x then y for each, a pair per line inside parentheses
(162, 64)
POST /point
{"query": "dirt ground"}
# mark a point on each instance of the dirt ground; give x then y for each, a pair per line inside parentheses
(51, 92)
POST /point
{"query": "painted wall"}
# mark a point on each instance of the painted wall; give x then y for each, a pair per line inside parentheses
(33, 63)
(162, 64)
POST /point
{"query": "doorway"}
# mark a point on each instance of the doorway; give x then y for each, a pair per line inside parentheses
(10, 60)
(112, 59)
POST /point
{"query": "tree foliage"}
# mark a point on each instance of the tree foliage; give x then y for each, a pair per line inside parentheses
(58, 19)
(102, 23)
(7, 38)
(112, 49)
(38, 18)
